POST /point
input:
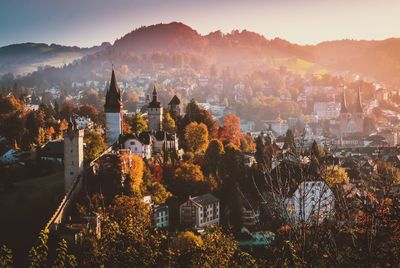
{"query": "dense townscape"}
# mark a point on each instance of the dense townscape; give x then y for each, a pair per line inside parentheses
(173, 162)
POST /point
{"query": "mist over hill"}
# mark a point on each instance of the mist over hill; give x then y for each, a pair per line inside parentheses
(242, 49)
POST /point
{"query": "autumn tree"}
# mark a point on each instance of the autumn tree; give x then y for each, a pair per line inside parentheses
(168, 123)
(211, 249)
(136, 173)
(88, 110)
(212, 156)
(247, 144)
(159, 193)
(335, 175)
(196, 137)
(387, 174)
(138, 124)
(94, 145)
(188, 180)
(127, 238)
(229, 132)
(196, 114)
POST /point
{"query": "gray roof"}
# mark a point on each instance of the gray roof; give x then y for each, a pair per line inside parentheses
(205, 199)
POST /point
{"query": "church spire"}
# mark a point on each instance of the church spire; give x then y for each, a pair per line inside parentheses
(113, 97)
(343, 108)
(154, 93)
(359, 108)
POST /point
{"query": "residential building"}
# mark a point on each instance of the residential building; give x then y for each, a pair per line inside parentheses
(312, 200)
(200, 211)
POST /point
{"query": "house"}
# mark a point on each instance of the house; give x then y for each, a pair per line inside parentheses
(160, 216)
(53, 151)
(165, 140)
(7, 156)
(159, 213)
(311, 200)
(200, 211)
(140, 145)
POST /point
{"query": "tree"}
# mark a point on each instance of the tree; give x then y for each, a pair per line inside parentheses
(317, 151)
(211, 249)
(159, 193)
(260, 148)
(212, 156)
(168, 123)
(387, 173)
(67, 109)
(34, 121)
(88, 110)
(39, 254)
(230, 130)
(289, 141)
(94, 145)
(195, 114)
(138, 124)
(335, 175)
(6, 257)
(196, 137)
(127, 239)
(136, 173)
(188, 180)
(247, 144)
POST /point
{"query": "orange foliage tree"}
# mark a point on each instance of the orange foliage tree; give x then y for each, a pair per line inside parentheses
(196, 137)
(230, 130)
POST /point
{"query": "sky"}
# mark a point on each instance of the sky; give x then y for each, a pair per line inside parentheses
(90, 22)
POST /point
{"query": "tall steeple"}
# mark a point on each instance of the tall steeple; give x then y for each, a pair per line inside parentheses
(155, 103)
(113, 97)
(113, 109)
(359, 108)
(343, 108)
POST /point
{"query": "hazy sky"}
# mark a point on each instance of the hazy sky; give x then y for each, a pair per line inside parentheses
(90, 22)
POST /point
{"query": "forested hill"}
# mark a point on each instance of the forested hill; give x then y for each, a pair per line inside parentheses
(375, 59)
(27, 57)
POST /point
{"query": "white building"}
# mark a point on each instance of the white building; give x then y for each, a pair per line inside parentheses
(327, 110)
(312, 200)
(200, 211)
(140, 145)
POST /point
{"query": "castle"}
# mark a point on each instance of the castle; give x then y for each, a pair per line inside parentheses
(153, 140)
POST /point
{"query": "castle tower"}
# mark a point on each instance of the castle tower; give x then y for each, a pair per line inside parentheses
(73, 154)
(114, 111)
(174, 106)
(155, 113)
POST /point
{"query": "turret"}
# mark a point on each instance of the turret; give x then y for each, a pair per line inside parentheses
(155, 113)
(73, 154)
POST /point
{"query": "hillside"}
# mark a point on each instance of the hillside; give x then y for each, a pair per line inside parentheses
(27, 57)
(242, 49)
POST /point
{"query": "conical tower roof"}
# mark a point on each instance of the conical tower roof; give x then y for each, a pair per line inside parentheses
(155, 103)
(113, 97)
